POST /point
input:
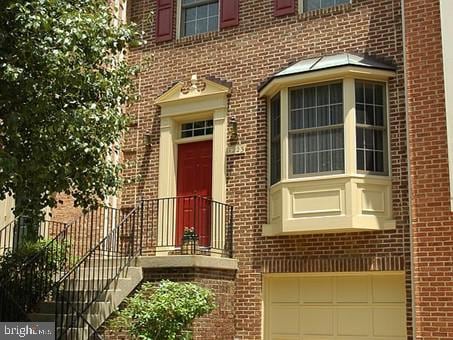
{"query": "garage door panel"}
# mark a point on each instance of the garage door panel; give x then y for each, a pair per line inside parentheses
(316, 289)
(285, 320)
(389, 289)
(285, 290)
(353, 322)
(348, 306)
(285, 337)
(317, 321)
(352, 289)
(389, 322)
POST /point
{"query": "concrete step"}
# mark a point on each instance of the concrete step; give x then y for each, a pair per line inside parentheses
(84, 289)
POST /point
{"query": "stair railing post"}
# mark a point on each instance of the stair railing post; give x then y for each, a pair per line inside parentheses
(142, 206)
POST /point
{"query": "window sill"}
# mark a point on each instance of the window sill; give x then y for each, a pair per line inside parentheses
(339, 203)
(319, 13)
(182, 40)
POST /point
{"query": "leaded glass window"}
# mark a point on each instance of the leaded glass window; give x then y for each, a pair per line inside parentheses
(275, 140)
(316, 130)
(199, 16)
(311, 5)
(370, 131)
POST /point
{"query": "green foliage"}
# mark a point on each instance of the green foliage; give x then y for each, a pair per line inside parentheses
(29, 270)
(164, 311)
(62, 87)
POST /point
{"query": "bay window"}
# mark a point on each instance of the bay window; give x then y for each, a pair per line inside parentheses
(328, 148)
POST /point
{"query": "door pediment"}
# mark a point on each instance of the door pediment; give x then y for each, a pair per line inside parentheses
(206, 93)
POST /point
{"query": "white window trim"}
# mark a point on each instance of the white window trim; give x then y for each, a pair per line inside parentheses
(179, 22)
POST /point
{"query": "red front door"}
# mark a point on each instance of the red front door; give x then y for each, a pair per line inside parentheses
(194, 185)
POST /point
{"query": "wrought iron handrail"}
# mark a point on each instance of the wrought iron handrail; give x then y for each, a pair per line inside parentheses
(83, 285)
(34, 279)
(210, 221)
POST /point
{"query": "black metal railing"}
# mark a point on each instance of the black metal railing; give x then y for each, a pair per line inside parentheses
(189, 225)
(76, 268)
(33, 280)
(16, 231)
(89, 280)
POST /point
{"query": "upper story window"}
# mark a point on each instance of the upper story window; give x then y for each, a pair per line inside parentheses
(199, 16)
(275, 139)
(310, 5)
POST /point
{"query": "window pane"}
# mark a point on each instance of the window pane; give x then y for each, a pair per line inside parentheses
(311, 140)
(336, 114)
(360, 113)
(190, 28)
(297, 97)
(379, 160)
(338, 160)
(379, 94)
(336, 93)
(299, 164)
(369, 93)
(379, 115)
(359, 138)
(298, 143)
(369, 114)
(186, 134)
(202, 26)
(191, 14)
(213, 9)
(338, 2)
(337, 139)
(360, 159)
(311, 5)
(297, 119)
(378, 140)
(359, 97)
(369, 160)
(323, 116)
(309, 96)
(327, 3)
(202, 11)
(369, 137)
(325, 140)
(213, 23)
(275, 141)
(310, 118)
(312, 162)
(323, 95)
(325, 161)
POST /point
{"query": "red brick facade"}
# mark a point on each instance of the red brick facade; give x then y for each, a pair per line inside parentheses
(245, 56)
(432, 219)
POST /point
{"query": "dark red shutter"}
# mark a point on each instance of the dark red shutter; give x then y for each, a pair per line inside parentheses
(164, 20)
(284, 7)
(229, 13)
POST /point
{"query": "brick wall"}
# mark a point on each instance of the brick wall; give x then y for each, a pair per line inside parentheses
(432, 219)
(219, 324)
(245, 56)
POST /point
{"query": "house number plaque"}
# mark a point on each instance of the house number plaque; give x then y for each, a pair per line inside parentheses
(237, 149)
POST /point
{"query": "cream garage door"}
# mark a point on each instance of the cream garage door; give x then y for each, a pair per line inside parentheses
(350, 306)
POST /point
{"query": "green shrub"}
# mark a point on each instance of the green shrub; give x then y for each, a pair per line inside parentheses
(29, 272)
(164, 311)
